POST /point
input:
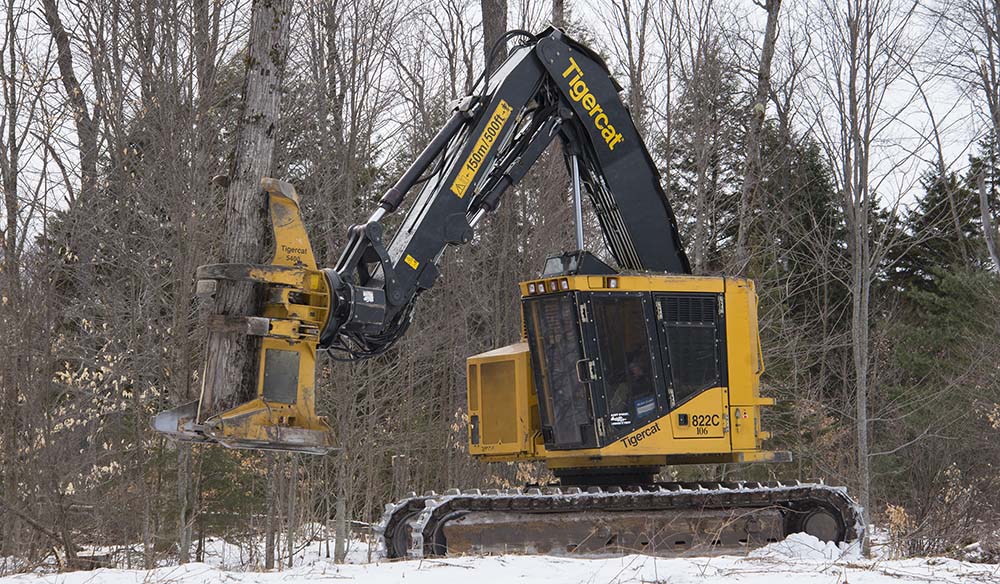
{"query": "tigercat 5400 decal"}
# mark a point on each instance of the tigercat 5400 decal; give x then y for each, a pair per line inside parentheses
(580, 93)
(475, 160)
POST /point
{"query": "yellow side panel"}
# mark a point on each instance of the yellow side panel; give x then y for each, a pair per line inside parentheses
(497, 388)
(473, 384)
(746, 426)
(658, 439)
(704, 416)
(503, 411)
(741, 360)
(745, 364)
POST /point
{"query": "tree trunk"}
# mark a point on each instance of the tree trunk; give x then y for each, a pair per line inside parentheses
(147, 529)
(860, 289)
(183, 501)
(494, 25)
(290, 538)
(269, 525)
(341, 531)
(86, 127)
(559, 13)
(989, 232)
(752, 166)
(340, 518)
(229, 365)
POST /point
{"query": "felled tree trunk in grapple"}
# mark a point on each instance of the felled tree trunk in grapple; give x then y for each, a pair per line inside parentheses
(229, 376)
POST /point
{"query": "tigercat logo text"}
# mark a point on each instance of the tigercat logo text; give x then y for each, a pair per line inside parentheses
(634, 440)
(475, 160)
(580, 93)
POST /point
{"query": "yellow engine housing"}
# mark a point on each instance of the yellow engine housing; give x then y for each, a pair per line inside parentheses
(719, 423)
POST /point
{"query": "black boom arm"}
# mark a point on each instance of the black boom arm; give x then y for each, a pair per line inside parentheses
(550, 85)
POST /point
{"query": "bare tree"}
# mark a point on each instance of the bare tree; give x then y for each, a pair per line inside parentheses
(752, 166)
(973, 58)
(864, 52)
(494, 25)
(986, 215)
(631, 45)
(703, 154)
(559, 13)
(86, 125)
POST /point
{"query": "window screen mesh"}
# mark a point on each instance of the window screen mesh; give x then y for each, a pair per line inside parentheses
(692, 328)
(555, 341)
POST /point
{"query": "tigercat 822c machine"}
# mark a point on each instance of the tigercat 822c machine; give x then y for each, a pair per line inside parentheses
(619, 372)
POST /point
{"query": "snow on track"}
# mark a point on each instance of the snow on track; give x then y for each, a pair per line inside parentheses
(798, 560)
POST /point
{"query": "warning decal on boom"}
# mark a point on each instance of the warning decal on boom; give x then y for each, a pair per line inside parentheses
(475, 160)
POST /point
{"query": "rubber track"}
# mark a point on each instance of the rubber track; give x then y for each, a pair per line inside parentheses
(425, 515)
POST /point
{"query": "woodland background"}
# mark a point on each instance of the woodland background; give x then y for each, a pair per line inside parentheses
(841, 152)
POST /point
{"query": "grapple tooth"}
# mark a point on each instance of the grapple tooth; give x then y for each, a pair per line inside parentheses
(452, 492)
(614, 489)
(410, 495)
(594, 490)
(430, 494)
(492, 492)
(573, 491)
(472, 492)
(533, 491)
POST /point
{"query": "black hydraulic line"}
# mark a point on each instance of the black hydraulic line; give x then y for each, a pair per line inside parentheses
(516, 170)
(394, 196)
(495, 49)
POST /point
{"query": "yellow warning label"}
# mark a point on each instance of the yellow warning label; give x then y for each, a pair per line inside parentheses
(411, 261)
(475, 160)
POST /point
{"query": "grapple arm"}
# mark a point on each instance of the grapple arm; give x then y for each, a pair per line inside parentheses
(281, 414)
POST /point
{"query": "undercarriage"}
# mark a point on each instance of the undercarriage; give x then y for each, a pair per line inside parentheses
(665, 519)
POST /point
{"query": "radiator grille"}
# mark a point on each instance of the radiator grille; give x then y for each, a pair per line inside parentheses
(700, 309)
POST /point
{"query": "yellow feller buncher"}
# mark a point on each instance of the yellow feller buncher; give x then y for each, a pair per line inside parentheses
(619, 372)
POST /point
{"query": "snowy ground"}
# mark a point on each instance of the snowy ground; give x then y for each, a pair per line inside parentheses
(798, 560)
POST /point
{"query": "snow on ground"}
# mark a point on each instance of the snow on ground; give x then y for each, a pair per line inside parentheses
(800, 559)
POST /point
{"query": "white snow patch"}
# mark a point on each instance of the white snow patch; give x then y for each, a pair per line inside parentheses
(222, 554)
(800, 559)
(802, 546)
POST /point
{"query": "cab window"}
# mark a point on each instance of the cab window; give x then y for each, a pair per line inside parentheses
(692, 326)
(623, 342)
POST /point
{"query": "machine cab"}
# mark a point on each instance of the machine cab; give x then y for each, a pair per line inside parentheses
(611, 354)
(623, 370)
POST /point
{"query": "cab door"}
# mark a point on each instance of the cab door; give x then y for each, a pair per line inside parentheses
(561, 375)
(621, 334)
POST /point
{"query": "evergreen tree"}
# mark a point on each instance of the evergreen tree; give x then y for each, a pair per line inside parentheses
(706, 156)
